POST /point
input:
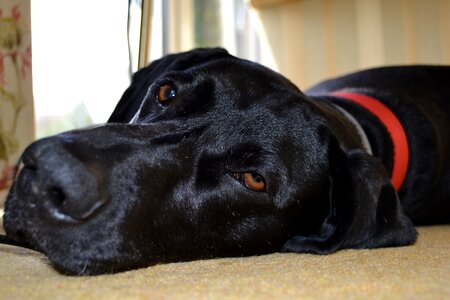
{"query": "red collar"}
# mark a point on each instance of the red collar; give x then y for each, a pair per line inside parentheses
(393, 126)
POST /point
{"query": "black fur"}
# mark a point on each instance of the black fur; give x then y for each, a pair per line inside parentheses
(164, 188)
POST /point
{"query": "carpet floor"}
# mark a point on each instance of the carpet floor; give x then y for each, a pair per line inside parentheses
(421, 271)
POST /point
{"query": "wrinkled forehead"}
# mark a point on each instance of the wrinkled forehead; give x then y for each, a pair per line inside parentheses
(246, 91)
(234, 100)
(246, 96)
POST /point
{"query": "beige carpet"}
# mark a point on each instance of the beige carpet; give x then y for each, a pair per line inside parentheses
(421, 271)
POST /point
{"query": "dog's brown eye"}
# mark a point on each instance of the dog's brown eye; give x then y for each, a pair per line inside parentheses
(165, 92)
(252, 180)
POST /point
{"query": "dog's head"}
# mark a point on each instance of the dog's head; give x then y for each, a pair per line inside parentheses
(206, 155)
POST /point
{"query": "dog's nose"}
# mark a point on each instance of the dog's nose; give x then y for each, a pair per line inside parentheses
(60, 184)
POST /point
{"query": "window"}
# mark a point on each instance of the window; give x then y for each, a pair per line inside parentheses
(83, 54)
(80, 61)
(180, 25)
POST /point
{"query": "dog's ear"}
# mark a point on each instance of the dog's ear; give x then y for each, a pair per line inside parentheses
(132, 98)
(365, 210)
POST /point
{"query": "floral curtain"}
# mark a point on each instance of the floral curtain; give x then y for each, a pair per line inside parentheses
(16, 99)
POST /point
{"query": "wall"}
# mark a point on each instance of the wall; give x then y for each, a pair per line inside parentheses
(309, 40)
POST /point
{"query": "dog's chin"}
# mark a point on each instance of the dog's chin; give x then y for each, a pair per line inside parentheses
(83, 267)
(71, 250)
(69, 258)
(97, 260)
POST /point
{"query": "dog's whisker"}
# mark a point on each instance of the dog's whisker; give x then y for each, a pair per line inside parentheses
(84, 267)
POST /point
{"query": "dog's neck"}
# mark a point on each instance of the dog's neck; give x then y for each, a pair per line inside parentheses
(362, 134)
(393, 128)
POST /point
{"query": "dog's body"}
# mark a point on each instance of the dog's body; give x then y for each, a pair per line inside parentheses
(207, 155)
(420, 98)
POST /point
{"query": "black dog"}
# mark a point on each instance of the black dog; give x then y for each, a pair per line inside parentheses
(208, 155)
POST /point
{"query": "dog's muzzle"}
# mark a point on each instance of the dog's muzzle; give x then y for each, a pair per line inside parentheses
(60, 186)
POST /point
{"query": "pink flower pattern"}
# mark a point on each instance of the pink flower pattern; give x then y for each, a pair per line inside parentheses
(12, 50)
(6, 176)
